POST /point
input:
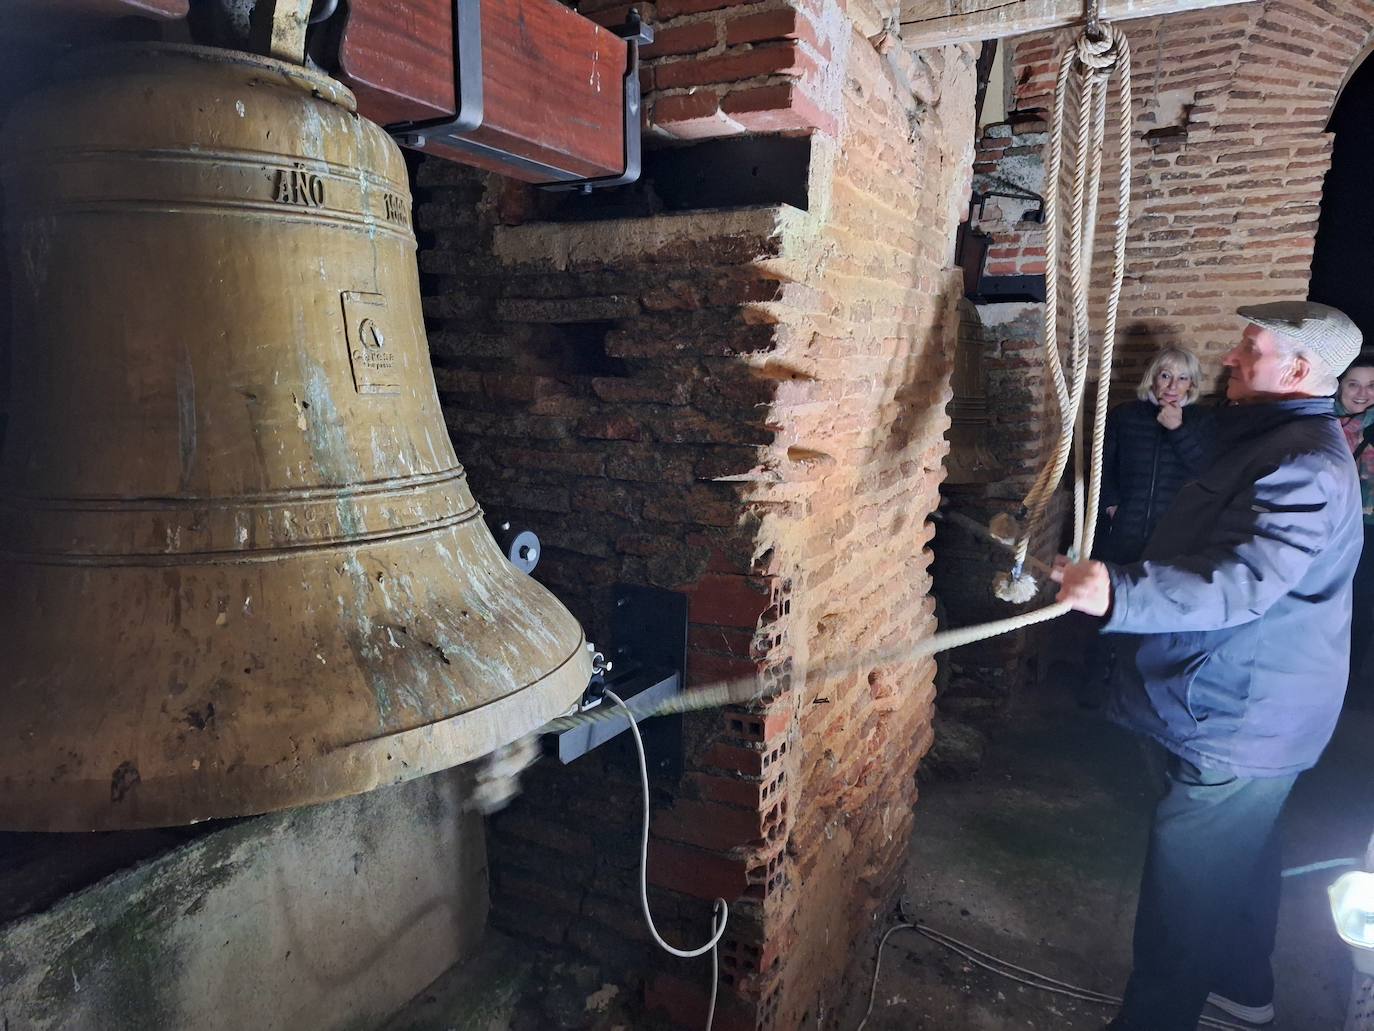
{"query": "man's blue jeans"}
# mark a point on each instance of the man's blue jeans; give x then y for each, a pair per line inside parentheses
(1209, 896)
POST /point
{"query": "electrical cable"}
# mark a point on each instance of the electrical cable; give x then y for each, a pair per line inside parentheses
(994, 965)
(1329, 864)
(720, 913)
(878, 966)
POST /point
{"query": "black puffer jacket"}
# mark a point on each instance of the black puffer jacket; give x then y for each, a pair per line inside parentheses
(1143, 467)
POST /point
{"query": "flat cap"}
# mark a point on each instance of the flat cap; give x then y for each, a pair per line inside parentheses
(1325, 331)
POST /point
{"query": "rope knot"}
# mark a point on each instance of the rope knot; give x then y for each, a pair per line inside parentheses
(1103, 52)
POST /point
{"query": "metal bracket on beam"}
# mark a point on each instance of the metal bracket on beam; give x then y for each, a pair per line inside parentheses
(468, 96)
(635, 34)
(469, 101)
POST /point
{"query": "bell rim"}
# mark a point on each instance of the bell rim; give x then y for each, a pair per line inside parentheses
(347, 770)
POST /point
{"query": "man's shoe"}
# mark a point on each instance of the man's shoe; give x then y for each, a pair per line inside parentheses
(1250, 1014)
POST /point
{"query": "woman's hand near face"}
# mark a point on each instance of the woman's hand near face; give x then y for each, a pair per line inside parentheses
(1170, 416)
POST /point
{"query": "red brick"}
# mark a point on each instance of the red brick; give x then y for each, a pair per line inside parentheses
(696, 872)
(705, 669)
(787, 23)
(709, 825)
(692, 116)
(728, 601)
(767, 727)
(780, 108)
(779, 59)
(748, 761)
(747, 794)
(682, 39)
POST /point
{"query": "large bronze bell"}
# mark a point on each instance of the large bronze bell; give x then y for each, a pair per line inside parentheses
(240, 567)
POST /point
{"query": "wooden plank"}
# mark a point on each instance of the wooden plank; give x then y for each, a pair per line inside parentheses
(397, 56)
(932, 23)
(555, 87)
(552, 81)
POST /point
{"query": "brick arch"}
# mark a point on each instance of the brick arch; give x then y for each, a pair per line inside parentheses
(1231, 152)
(1364, 53)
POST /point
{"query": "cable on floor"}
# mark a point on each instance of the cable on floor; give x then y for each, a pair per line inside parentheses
(721, 912)
(1000, 967)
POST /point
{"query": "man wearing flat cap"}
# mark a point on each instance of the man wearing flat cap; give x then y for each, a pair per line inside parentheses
(1236, 670)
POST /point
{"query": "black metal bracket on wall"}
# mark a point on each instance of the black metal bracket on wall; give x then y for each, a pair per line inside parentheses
(470, 101)
(971, 253)
(647, 665)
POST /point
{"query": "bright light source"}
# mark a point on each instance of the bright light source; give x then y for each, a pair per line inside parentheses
(1352, 908)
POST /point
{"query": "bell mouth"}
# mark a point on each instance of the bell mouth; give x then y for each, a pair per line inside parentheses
(132, 57)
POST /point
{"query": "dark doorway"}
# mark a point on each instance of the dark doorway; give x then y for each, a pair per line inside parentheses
(1343, 261)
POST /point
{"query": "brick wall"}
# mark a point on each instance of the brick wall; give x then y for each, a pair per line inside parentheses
(1010, 159)
(981, 678)
(877, 343)
(725, 67)
(748, 406)
(1230, 156)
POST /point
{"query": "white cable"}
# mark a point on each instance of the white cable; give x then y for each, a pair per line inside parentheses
(877, 966)
(986, 961)
(721, 912)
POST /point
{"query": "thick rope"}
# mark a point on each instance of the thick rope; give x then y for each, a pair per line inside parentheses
(1084, 75)
(1082, 84)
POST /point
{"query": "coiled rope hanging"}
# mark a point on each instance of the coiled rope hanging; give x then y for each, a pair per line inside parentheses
(1081, 89)
(1084, 78)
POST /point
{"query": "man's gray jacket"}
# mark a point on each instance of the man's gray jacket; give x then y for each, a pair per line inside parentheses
(1243, 597)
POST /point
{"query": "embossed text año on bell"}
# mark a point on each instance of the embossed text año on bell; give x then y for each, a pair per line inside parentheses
(240, 567)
